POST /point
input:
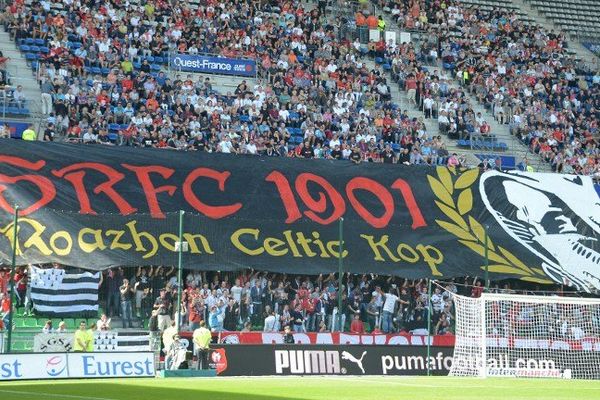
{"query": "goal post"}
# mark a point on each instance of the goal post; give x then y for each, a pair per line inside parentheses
(527, 336)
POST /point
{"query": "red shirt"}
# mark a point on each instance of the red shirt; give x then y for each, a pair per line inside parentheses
(5, 306)
(357, 326)
(4, 279)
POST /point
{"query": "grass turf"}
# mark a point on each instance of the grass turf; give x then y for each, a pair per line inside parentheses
(302, 388)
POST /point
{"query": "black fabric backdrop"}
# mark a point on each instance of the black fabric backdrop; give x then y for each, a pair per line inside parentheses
(96, 207)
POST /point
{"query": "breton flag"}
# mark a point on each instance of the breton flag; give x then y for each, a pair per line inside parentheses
(121, 341)
(56, 292)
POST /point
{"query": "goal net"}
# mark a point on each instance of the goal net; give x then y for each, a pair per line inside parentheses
(527, 336)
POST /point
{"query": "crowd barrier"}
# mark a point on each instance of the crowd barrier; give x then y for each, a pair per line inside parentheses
(76, 365)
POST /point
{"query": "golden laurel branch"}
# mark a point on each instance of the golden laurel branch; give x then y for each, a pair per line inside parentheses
(454, 195)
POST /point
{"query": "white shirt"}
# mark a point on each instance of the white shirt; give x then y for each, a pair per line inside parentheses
(270, 323)
(390, 302)
(225, 146)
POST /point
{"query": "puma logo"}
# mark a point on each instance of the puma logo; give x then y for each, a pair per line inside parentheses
(351, 358)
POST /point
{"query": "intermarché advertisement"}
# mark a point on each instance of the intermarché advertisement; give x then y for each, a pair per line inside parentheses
(76, 365)
(235, 360)
(104, 207)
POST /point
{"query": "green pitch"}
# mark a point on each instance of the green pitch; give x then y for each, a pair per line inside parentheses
(301, 388)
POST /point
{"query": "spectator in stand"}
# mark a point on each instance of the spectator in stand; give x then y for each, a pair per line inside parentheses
(288, 337)
(271, 324)
(127, 293)
(62, 327)
(29, 134)
(357, 326)
(163, 306)
(103, 323)
(389, 306)
(113, 281)
(477, 288)
(5, 309)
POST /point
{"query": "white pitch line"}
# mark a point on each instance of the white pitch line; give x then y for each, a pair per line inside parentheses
(69, 396)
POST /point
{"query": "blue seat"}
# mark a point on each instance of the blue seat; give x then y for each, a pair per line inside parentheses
(387, 67)
(105, 71)
(76, 45)
(150, 59)
(159, 60)
(29, 41)
(113, 137)
(25, 48)
(39, 42)
(379, 60)
(114, 127)
(124, 126)
(31, 56)
(137, 65)
(395, 147)
(155, 67)
(34, 65)
(96, 71)
(244, 118)
(44, 49)
(34, 49)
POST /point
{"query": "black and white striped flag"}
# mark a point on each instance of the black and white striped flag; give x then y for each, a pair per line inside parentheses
(55, 292)
(122, 341)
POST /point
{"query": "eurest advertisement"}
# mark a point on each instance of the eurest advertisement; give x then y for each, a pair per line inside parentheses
(76, 365)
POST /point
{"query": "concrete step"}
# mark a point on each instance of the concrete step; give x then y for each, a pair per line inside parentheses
(574, 45)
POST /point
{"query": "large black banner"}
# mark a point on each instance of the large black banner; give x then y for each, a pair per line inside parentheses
(95, 207)
(253, 360)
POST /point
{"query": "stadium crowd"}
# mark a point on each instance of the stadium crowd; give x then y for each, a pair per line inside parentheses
(102, 80)
(252, 300)
(102, 83)
(521, 72)
(249, 300)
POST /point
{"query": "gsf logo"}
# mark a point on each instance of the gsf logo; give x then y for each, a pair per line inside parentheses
(322, 362)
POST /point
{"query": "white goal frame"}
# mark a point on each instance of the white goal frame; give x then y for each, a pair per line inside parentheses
(472, 336)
